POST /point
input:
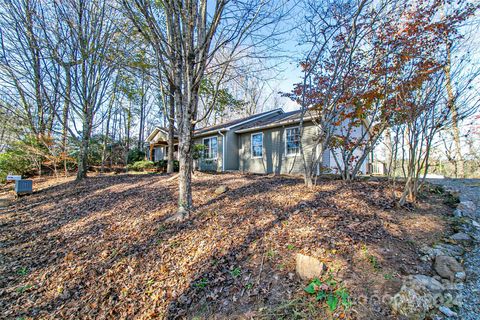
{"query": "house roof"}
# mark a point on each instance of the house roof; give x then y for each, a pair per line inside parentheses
(237, 122)
(275, 121)
(156, 130)
(259, 121)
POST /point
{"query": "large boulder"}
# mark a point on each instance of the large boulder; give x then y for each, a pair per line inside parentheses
(430, 283)
(417, 297)
(447, 267)
(413, 301)
(308, 267)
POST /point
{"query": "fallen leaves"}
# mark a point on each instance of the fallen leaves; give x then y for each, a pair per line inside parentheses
(103, 249)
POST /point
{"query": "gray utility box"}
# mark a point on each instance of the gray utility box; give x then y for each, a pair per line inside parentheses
(23, 187)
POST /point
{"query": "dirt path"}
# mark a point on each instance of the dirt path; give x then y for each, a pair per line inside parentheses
(469, 193)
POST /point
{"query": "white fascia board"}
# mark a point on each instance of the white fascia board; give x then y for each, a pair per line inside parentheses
(153, 134)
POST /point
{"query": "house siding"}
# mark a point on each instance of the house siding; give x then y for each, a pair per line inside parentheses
(213, 164)
(356, 133)
(274, 159)
(231, 151)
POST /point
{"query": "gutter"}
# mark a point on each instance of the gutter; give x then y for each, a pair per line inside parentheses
(223, 149)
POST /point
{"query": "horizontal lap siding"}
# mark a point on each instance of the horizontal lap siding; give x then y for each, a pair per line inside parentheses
(211, 165)
(274, 159)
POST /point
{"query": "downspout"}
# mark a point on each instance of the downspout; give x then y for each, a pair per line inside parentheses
(223, 150)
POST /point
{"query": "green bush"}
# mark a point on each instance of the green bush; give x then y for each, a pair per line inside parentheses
(15, 162)
(198, 151)
(135, 155)
(141, 165)
(162, 165)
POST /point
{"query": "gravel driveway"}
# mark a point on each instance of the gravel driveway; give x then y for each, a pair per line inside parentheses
(469, 191)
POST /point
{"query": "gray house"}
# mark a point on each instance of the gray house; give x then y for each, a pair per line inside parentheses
(267, 142)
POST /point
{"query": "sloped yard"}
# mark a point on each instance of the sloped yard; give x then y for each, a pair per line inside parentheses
(101, 249)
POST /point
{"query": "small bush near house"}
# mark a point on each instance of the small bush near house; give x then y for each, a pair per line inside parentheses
(162, 165)
(141, 165)
(135, 155)
(198, 151)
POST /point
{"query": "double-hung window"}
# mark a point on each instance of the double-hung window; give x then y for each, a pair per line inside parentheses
(257, 145)
(210, 150)
(292, 141)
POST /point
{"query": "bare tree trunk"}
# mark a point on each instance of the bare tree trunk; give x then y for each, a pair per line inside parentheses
(389, 151)
(171, 129)
(105, 139)
(141, 128)
(83, 155)
(459, 162)
(128, 124)
(185, 172)
(66, 107)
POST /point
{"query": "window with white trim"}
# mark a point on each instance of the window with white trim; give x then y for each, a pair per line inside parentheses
(292, 141)
(211, 148)
(257, 145)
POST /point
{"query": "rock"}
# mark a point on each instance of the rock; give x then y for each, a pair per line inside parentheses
(446, 311)
(412, 302)
(442, 249)
(461, 237)
(460, 276)
(418, 295)
(426, 258)
(432, 284)
(476, 224)
(458, 213)
(308, 267)
(451, 250)
(220, 190)
(467, 206)
(447, 266)
(458, 300)
(452, 286)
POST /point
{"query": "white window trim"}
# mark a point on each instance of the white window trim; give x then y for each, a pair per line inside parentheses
(210, 146)
(251, 145)
(286, 149)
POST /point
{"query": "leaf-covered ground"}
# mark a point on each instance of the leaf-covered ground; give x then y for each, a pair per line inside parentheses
(101, 249)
